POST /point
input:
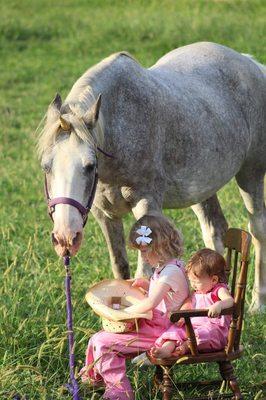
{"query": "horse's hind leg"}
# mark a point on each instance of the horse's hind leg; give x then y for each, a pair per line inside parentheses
(113, 231)
(251, 185)
(213, 223)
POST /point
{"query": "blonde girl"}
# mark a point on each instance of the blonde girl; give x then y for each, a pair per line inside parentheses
(160, 244)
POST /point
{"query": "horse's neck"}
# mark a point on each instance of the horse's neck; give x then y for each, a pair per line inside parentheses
(104, 76)
(122, 83)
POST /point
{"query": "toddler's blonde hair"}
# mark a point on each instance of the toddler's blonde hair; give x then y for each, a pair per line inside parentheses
(167, 241)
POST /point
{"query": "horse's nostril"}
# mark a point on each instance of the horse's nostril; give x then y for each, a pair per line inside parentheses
(54, 240)
(75, 239)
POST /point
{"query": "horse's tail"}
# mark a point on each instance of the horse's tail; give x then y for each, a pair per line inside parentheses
(262, 67)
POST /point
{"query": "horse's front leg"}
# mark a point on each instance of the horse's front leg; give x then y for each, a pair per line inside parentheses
(113, 231)
(212, 222)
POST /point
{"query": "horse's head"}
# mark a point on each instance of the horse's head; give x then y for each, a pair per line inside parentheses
(67, 148)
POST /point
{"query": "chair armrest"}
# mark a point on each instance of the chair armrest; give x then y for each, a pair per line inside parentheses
(197, 313)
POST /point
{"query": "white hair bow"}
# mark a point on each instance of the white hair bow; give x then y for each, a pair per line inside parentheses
(144, 231)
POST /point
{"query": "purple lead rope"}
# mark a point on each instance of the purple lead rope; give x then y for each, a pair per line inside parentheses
(73, 385)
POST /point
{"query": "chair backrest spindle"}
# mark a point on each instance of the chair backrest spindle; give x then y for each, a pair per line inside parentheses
(237, 243)
(234, 273)
(228, 263)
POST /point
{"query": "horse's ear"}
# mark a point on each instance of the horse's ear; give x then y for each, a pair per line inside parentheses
(57, 101)
(54, 108)
(91, 116)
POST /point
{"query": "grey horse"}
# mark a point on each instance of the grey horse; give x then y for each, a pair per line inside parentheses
(178, 132)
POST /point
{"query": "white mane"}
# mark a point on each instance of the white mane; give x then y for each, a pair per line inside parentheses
(73, 113)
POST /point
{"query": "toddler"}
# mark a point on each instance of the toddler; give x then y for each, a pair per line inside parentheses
(206, 273)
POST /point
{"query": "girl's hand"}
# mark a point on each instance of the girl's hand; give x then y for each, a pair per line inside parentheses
(141, 282)
(149, 303)
(215, 309)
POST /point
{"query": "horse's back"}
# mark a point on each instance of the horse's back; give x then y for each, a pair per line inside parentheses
(213, 65)
(203, 58)
(233, 86)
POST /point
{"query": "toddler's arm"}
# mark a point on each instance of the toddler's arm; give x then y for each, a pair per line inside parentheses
(158, 293)
(226, 301)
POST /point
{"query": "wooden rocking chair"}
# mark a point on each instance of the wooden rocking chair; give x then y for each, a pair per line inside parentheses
(237, 243)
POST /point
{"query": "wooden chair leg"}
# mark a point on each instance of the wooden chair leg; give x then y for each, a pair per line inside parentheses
(227, 373)
(167, 384)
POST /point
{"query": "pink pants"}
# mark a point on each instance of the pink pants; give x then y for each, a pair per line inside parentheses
(209, 336)
(107, 352)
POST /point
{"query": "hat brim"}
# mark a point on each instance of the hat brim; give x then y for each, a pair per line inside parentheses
(99, 298)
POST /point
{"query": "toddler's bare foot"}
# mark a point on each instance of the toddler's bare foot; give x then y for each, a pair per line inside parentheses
(181, 350)
(160, 352)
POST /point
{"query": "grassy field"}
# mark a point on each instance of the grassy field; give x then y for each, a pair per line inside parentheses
(45, 46)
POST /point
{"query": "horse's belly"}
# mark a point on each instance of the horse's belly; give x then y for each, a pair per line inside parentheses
(185, 192)
(175, 199)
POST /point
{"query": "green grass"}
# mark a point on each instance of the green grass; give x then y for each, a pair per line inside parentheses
(45, 46)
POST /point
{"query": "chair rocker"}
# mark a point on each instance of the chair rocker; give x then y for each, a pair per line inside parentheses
(237, 243)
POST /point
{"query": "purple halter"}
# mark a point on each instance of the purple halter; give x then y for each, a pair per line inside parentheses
(84, 211)
(72, 202)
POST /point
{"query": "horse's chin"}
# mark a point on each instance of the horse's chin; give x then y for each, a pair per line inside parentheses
(69, 251)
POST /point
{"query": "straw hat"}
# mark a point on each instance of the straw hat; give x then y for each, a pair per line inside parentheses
(108, 298)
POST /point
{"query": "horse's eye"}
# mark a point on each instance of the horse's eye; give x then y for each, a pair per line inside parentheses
(46, 167)
(88, 168)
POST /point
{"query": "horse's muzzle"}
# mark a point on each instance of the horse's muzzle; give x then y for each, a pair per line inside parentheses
(66, 245)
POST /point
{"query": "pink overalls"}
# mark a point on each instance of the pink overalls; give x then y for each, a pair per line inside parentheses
(211, 333)
(107, 352)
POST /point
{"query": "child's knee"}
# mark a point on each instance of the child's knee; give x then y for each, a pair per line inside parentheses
(101, 340)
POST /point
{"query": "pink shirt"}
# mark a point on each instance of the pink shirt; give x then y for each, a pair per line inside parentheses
(173, 274)
(205, 300)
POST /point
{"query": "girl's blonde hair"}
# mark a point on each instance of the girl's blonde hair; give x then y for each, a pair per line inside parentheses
(207, 262)
(167, 241)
